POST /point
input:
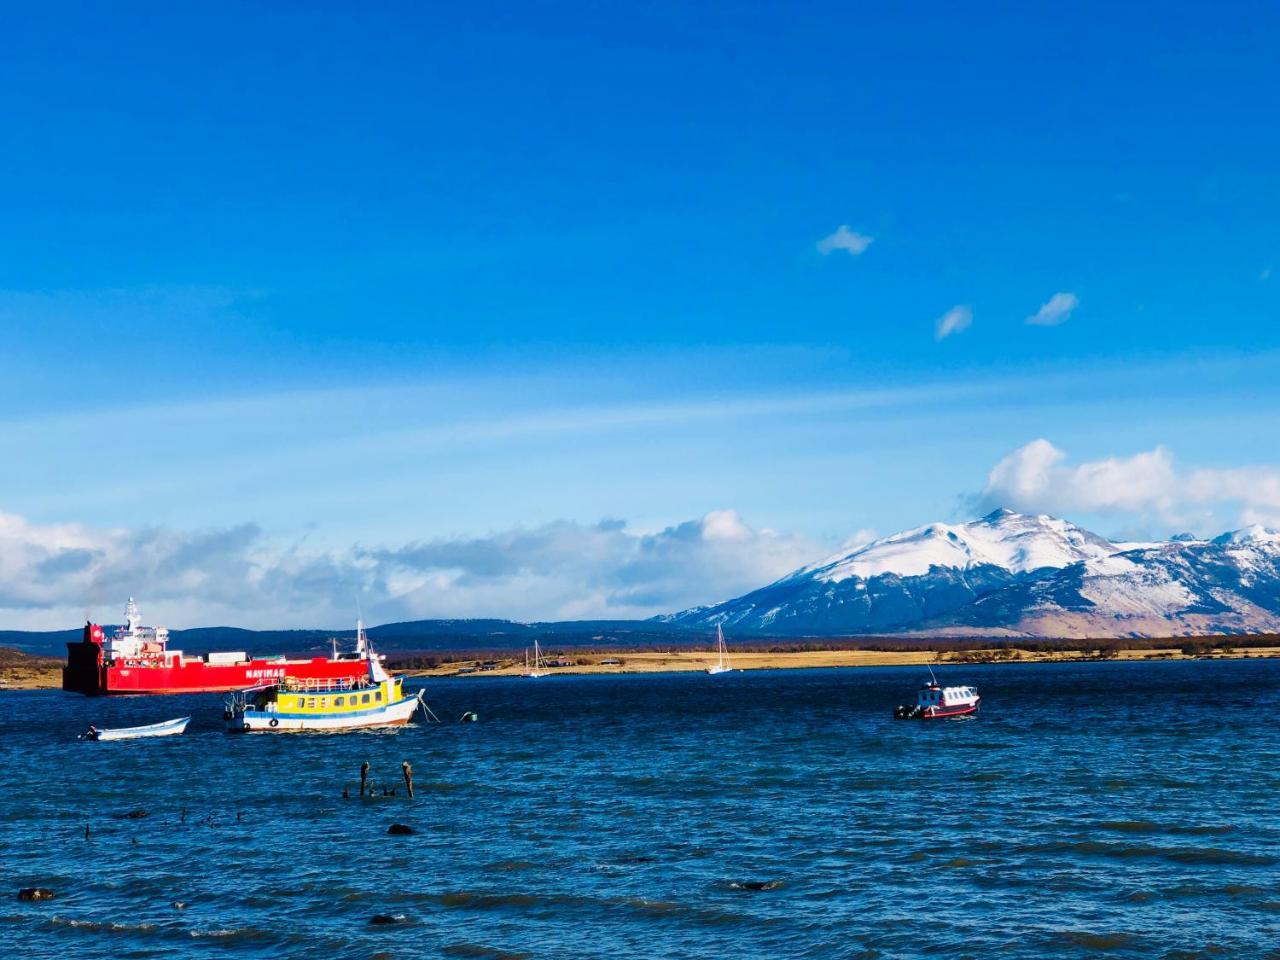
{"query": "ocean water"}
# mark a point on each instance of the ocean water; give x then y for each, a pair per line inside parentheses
(1112, 809)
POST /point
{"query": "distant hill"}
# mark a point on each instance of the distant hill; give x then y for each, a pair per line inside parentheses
(48, 643)
(413, 635)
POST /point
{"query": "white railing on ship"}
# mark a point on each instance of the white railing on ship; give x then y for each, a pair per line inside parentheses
(318, 685)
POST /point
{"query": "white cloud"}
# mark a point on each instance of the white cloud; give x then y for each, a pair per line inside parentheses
(1265, 274)
(1055, 311)
(1037, 478)
(953, 321)
(844, 239)
(859, 539)
(53, 576)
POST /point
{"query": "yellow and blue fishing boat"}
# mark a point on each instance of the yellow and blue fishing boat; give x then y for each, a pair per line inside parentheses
(375, 700)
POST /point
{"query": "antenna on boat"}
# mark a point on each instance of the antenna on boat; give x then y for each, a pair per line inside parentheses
(362, 642)
(931, 674)
(360, 638)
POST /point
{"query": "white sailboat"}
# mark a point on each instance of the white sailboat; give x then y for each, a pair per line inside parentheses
(538, 669)
(722, 664)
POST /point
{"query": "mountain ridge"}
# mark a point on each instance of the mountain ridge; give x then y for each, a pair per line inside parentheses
(1011, 574)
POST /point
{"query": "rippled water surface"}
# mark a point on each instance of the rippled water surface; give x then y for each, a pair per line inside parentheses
(1091, 810)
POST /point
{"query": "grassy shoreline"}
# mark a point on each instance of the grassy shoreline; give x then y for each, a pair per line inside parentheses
(21, 672)
(692, 660)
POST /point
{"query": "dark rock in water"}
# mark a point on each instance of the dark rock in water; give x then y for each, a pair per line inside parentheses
(400, 829)
(36, 893)
(381, 919)
(132, 815)
(758, 885)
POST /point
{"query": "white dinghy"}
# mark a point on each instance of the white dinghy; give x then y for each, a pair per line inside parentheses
(169, 728)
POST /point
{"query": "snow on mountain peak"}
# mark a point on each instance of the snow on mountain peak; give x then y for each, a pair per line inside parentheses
(1254, 535)
(1014, 541)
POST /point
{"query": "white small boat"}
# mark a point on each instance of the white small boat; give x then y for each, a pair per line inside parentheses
(722, 664)
(169, 728)
(934, 701)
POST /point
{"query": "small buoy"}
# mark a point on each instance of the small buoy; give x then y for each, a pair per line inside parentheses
(179, 905)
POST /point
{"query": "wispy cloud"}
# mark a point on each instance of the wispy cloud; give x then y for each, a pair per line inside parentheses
(1055, 311)
(1265, 274)
(1037, 477)
(844, 239)
(52, 575)
(954, 320)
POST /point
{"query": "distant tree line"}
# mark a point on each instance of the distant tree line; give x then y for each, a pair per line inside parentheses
(952, 649)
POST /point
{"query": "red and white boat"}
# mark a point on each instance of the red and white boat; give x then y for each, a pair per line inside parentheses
(137, 659)
(934, 701)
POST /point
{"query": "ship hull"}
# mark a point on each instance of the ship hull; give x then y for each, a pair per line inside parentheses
(83, 675)
(392, 715)
(941, 713)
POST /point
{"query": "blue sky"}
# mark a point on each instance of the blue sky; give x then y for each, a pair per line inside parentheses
(329, 284)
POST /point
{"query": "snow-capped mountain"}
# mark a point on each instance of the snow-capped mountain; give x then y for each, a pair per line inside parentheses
(1011, 541)
(1018, 574)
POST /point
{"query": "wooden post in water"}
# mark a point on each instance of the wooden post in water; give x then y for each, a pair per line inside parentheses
(364, 776)
(408, 777)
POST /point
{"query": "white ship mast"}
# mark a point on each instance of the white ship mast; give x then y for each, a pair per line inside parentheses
(131, 639)
(377, 674)
(362, 642)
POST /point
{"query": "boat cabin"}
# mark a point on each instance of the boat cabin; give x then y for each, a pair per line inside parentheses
(323, 697)
(933, 694)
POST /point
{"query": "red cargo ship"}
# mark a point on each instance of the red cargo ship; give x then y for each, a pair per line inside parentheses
(137, 659)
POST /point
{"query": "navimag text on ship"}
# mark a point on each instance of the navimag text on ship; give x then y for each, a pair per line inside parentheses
(137, 659)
